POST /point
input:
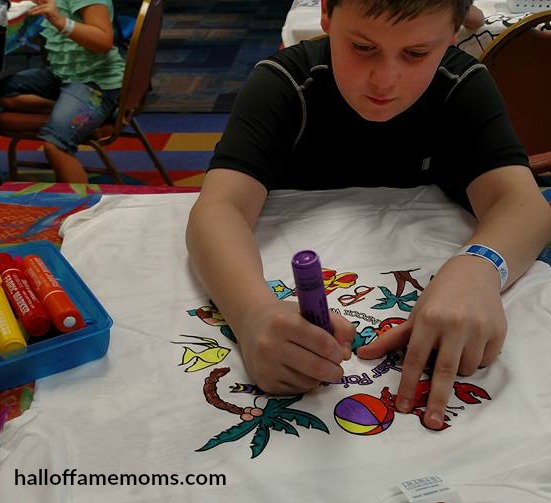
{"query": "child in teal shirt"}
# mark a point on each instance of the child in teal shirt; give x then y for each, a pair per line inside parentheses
(81, 84)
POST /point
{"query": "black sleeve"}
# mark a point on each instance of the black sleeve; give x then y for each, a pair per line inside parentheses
(262, 128)
(479, 136)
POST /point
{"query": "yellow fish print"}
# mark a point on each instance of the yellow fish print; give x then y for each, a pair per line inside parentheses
(213, 354)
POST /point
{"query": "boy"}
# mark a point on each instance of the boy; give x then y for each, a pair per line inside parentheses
(388, 100)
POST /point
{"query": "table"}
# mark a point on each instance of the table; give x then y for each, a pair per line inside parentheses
(35, 211)
(172, 397)
(303, 22)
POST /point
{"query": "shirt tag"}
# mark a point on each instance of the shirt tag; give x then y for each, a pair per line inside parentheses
(431, 489)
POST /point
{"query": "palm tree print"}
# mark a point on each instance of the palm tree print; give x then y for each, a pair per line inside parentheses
(390, 300)
(276, 415)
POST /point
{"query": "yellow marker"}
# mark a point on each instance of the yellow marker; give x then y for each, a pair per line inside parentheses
(11, 337)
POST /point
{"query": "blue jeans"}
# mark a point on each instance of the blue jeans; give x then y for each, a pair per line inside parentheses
(78, 110)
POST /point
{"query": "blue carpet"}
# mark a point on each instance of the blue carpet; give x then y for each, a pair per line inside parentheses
(137, 160)
(208, 48)
(182, 123)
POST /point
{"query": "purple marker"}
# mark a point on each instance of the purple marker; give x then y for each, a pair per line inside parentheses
(310, 290)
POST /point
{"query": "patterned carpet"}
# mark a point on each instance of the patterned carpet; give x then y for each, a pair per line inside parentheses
(183, 143)
(208, 48)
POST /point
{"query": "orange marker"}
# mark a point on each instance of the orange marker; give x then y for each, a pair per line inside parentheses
(64, 314)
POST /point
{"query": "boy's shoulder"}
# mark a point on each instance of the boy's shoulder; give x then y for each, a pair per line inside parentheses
(301, 60)
(457, 63)
(458, 69)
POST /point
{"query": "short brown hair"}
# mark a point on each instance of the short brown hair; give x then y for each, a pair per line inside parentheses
(400, 10)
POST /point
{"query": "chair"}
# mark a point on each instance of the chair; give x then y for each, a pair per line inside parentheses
(135, 87)
(520, 62)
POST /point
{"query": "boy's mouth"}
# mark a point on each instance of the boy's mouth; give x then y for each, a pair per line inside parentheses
(379, 101)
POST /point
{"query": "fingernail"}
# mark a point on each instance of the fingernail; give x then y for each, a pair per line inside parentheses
(403, 404)
(434, 420)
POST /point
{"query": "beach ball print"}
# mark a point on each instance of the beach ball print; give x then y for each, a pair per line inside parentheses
(363, 415)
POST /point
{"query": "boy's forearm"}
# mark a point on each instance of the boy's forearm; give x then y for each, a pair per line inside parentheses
(227, 257)
(518, 228)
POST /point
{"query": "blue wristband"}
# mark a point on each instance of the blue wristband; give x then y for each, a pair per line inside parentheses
(491, 256)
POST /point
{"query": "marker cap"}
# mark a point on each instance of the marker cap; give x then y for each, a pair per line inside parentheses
(62, 311)
(65, 315)
(69, 322)
(12, 345)
(305, 259)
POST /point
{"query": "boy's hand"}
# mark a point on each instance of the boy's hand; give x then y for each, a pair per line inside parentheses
(460, 315)
(48, 9)
(285, 354)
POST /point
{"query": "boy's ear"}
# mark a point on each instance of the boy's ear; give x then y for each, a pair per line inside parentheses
(325, 21)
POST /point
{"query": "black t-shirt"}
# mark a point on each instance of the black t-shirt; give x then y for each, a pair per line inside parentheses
(290, 128)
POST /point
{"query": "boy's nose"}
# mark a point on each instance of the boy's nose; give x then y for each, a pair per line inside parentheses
(384, 76)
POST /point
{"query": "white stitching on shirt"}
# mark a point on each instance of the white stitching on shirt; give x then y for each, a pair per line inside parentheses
(458, 78)
(298, 89)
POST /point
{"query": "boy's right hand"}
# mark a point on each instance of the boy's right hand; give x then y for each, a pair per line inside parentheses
(285, 354)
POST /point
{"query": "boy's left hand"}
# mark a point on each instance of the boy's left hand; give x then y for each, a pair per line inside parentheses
(461, 316)
(48, 9)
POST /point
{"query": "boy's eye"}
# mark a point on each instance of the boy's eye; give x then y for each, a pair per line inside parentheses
(363, 48)
(417, 54)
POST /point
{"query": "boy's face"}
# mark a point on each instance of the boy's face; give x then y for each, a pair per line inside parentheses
(382, 68)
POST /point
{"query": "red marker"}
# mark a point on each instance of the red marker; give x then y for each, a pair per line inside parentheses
(60, 307)
(23, 301)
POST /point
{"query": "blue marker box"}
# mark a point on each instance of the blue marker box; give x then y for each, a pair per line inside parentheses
(56, 352)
